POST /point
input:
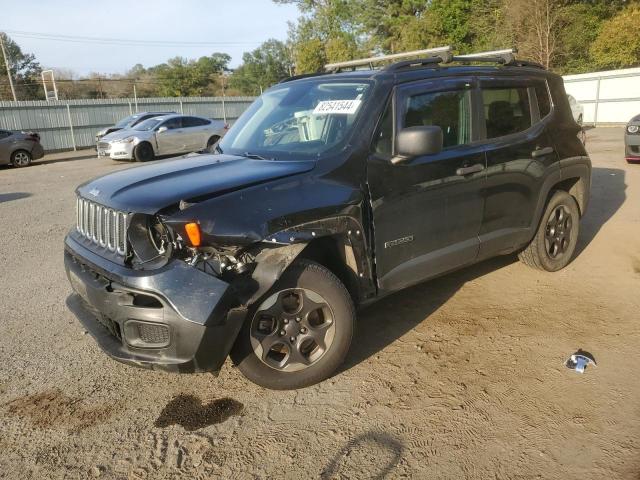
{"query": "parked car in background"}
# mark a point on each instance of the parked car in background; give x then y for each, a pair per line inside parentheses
(162, 135)
(129, 122)
(19, 148)
(632, 140)
(577, 109)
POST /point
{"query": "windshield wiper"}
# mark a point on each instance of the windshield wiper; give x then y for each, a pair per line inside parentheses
(254, 156)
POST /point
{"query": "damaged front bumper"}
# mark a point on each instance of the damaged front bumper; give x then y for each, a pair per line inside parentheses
(175, 318)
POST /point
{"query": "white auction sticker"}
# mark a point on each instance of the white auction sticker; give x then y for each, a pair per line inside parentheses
(328, 107)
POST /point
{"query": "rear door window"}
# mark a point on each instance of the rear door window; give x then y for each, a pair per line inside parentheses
(506, 110)
(4, 134)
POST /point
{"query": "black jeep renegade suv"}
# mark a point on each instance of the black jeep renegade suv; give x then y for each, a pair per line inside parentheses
(329, 192)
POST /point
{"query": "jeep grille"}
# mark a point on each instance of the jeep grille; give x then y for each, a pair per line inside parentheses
(104, 226)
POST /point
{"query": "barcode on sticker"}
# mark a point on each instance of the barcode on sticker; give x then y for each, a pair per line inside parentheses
(328, 107)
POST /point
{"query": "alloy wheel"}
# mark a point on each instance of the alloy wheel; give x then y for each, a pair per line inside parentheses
(558, 232)
(292, 329)
(21, 159)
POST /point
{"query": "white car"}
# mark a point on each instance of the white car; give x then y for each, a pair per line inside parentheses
(163, 135)
(577, 109)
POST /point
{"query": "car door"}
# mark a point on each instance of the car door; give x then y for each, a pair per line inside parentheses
(520, 155)
(195, 133)
(427, 211)
(5, 144)
(171, 140)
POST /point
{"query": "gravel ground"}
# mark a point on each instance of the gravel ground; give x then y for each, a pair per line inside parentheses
(461, 377)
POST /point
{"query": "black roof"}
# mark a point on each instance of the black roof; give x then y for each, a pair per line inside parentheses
(408, 71)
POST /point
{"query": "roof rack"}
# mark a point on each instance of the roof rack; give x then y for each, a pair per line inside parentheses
(443, 52)
(508, 55)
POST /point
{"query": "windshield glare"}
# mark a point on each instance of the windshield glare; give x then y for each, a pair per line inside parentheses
(126, 121)
(298, 120)
(148, 124)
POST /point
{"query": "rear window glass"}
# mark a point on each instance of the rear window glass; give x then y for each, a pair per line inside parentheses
(544, 102)
(506, 111)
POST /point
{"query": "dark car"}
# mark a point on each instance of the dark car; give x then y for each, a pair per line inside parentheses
(330, 192)
(129, 122)
(632, 140)
(19, 148)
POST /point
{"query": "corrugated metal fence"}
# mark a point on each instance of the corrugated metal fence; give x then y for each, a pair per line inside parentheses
(608, 97)
(70, 124)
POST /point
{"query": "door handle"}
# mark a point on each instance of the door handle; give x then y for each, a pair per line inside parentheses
(541, 152)
(478, 167)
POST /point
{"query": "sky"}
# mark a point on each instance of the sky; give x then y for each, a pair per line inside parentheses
(234, 26)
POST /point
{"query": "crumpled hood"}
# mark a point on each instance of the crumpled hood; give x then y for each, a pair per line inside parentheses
(150, 188)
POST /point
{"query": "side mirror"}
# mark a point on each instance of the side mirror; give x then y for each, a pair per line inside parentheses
(162, 129)
(418, 141)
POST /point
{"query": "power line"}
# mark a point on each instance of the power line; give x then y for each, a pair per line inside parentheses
(121, 41)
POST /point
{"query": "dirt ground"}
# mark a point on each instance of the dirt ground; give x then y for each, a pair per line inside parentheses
(461, 377)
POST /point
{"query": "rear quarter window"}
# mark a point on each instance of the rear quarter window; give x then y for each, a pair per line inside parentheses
(544, 100)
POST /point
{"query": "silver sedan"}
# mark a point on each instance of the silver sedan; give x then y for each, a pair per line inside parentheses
(162, 135)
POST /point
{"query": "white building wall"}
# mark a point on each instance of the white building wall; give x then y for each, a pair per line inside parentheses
(608, 97)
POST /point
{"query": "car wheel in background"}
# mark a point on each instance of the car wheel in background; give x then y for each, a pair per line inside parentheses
(21, 158)
(554, 244)
(212, 142)
(299, 333)
(143, 152)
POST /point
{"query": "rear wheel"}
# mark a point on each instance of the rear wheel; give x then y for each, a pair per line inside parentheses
(143, 152)
(299, 333)
(554, 244)
(21, 158)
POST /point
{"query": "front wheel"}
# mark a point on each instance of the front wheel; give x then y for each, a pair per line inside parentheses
(554, 244)
(143, 152)
(300, 331)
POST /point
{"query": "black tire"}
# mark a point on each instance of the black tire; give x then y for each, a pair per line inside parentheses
(313, 284)
(554, 244)
(21, 158)
(211, 143)
(143, 152)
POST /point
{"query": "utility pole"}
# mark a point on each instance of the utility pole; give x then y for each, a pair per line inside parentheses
(6, 64)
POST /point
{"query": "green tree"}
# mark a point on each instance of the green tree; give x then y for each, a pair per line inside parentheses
(618, 43)
(261, 68)
(25, 71)
(183, 77)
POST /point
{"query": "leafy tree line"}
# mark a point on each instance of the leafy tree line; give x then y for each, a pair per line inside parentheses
(566, 36)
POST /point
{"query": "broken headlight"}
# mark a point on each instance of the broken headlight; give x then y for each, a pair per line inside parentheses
(151, 241)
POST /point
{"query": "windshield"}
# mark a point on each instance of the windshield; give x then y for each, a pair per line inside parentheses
(126, 121)
(297, 120)
(148, 124)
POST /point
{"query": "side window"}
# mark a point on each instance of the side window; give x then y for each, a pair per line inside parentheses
(4, 134)
(173, 123)
(506, 110)
(383, 143)
(544, 102)
(194, 122)
(450, 111)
